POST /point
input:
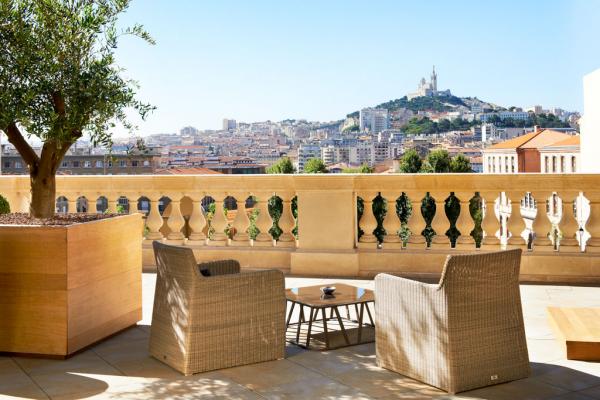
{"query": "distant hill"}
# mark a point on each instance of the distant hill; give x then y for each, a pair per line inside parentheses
(437, 104)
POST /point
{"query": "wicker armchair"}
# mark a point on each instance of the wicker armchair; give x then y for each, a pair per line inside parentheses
(210, 316)
(463, 333)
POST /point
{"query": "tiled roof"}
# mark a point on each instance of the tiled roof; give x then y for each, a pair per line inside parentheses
(186, 171)
(534, 140)
(570, 141)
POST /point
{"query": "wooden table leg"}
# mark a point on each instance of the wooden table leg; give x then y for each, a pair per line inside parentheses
(347, 312)
(287, 323)
(325, 328)
(300, 320)
(360, 319)
(343, 329)
(310, 321)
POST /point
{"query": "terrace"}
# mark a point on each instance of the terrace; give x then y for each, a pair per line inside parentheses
(553, 218)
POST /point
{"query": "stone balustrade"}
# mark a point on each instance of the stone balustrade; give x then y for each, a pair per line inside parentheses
(354, 225)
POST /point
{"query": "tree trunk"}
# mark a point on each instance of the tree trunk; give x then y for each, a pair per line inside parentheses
(43, 193)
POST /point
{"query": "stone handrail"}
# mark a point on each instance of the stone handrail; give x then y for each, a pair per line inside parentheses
(546, 215)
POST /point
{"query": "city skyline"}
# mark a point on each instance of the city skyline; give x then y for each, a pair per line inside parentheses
(271, 61)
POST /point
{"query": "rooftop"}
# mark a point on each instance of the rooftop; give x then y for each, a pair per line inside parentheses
(121, 366)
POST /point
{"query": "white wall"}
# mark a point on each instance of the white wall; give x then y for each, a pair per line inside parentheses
(590, 124)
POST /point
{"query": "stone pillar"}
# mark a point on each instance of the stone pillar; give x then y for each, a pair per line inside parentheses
(287, 221)
(154, 221)
(515, 224)
(175, 222)
(465, 223)
(415, 222)
(568, 224)
(367, 222)
(440, 223)
(491, 224)
(197, 224)
(541, 224)
(593, 222)
(391, 223)
(72, 201)
(218, 222)
(263, 221)
(241, 223)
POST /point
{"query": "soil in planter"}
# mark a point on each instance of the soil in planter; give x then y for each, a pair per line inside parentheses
(57, 220)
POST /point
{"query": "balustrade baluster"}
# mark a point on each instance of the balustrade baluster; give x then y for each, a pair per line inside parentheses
(154, 221)
(415, 222)
(440, 223)
(197, 224)
(465, 223)
(218, 223)
(568, 224)
(515, 223)
(241, 222)
(541, 226)
(263, 221)
(286, 221)
(491, 224)
(593, 222)
(368, 223)
(391, 223)
(175, 222)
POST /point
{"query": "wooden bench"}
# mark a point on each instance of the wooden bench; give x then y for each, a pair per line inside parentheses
(579, 329)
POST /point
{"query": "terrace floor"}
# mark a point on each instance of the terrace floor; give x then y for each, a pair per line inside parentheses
(121, 367)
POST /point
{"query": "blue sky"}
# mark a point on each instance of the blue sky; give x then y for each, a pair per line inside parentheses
(319, 60)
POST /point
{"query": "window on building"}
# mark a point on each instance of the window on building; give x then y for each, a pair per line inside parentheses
(554, 164)
(110, 163)
(547, 162)
(18, 164)
(6, 164)
(563, 164)
(122, 163)
(64, 164)
(134, 163)
(87, 164)
(573, 164)
(146, 163)
(99, 164)
(506, 164)
(75, 164)
(512, 164)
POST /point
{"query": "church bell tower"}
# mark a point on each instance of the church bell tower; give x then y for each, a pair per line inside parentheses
(434, 80)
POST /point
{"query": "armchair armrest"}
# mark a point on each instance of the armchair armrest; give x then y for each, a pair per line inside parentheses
(221, 267)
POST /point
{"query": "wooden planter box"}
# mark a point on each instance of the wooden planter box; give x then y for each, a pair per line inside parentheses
(64, 288)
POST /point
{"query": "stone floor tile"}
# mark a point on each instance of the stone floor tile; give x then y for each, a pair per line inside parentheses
(86, 362)
(333, 363)
(381, 383)
(14, 383)
(545, 351)
(268, 374)
(593, 392)
(569, 379)
(523, 389)
(312, 388)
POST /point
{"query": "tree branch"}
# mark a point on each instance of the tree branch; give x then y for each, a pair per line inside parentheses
(59, 103)
(16, 138)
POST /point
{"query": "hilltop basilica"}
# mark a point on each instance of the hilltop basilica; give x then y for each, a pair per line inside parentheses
(428, 89)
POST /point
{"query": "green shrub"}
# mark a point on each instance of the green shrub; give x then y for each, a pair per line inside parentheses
(4, 206)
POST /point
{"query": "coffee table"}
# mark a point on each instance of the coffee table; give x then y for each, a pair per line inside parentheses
(345, 296)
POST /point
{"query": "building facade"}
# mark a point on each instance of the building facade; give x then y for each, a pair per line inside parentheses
(374, 120)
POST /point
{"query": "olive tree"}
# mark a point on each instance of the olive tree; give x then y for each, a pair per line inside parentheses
(59, 81)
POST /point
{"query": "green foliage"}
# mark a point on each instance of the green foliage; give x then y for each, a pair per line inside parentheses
(380, 209)
(428, 209)
(460, 164)
(452, 210)
(411, 162)
(541, 120)
(354, 114)
(120, 209)
(352, 128)
(59, 78)
(439, 160)
(283, 166)
(476, 211)
(404, 211)
(423, 103)
(315, 166)
(425, 126)
(4, 205)
(363, 169)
